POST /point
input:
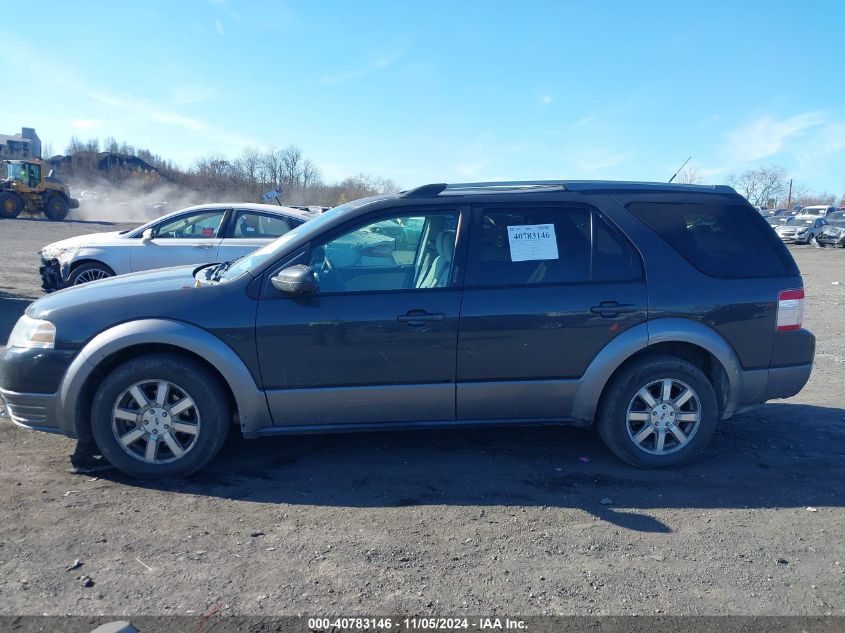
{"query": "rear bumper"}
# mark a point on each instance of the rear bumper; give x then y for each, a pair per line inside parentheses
(785, 382)
(791, 365)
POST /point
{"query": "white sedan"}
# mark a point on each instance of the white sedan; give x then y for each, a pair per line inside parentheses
(196, 235)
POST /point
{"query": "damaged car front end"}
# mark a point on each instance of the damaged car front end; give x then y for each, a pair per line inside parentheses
(55, 267)
(834, 231)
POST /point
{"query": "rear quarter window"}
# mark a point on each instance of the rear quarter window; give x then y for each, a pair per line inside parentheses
(729, 241)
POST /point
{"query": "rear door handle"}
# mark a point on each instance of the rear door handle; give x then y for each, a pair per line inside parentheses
(420, 317)
(202, 246)
(610, 309)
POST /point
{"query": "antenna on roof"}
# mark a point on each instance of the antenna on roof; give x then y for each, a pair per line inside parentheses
(680, 168)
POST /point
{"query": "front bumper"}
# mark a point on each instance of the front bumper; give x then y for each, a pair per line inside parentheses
(794, 239)
(30, 382)
(831, 240)
(35, 411)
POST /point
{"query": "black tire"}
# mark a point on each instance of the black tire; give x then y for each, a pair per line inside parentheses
(11, 205)
(622, 394)
(87, 272)
(56, 207)
(187, 378)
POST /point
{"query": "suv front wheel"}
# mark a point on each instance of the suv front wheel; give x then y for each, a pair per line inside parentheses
(160, 415)
(658, 412)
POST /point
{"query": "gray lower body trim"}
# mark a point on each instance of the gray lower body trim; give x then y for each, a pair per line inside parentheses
(362, 405)
(303, 429)
(515, 399)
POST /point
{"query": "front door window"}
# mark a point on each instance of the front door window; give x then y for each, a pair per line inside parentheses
(404, 252)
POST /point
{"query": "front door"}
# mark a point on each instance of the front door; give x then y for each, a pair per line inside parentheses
(376, 344)
(189, 238)
(548, 286)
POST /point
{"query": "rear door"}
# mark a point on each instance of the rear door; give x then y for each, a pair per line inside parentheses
(249, 230)
(548, 286)
(189, 238)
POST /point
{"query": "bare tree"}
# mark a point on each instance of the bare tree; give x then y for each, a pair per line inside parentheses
(808, 199)
(110, 145)
(74, 147)
(690, 175)
(761, 187)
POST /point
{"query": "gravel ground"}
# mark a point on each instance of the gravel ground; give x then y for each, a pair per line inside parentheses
(505, 521)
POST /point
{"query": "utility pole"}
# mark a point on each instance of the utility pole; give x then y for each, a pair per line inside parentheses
(789, 198)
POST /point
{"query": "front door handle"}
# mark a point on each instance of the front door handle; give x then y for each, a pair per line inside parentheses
(610, 309)
(202, 246)
(420, 317)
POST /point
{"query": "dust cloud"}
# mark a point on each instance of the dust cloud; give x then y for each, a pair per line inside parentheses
(104, 201)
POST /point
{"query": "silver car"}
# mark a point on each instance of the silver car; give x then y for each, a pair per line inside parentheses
(800, 230)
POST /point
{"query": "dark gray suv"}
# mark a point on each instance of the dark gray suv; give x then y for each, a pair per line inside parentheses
(651, 310)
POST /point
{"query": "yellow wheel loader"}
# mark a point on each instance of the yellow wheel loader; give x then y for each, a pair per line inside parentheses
(27, 188)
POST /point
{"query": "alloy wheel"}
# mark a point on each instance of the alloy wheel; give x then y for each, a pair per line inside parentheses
(663, 416)
(91, 275)
(156, 421)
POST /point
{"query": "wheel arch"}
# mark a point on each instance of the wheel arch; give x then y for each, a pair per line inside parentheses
(690, 340)
(111, 347)
(89, 260)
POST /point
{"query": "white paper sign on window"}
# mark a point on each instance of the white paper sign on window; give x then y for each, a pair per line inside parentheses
(532, 242)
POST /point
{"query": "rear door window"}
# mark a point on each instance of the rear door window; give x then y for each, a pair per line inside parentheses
(249, 224)
(729, 241)
(529, 245)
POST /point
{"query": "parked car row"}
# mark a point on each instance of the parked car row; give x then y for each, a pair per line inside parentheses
(810, 228)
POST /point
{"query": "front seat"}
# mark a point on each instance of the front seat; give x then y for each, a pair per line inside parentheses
(437, 275)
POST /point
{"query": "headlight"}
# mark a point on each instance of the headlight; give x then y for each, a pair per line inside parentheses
(58, 253)
(33, 333)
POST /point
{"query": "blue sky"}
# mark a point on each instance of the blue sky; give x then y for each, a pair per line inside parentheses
(445, 91)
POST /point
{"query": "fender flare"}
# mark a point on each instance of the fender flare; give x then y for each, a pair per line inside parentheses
(253, 411)
(640, 337)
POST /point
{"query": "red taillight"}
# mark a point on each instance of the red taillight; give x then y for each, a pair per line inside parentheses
(790, 310)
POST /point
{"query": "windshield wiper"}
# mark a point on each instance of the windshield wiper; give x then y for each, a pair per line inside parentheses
(221, 269)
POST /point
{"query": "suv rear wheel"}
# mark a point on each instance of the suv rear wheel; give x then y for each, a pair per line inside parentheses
(658, 412)
(160, 415)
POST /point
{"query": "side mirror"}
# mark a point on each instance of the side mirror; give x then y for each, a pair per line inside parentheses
(147, 236)
(296, 280)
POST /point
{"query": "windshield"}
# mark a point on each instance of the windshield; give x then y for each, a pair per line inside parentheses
(837, 219)
(270, 251)
(801, 221)
(14, 170)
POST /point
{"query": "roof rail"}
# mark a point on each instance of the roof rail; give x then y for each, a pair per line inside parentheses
(461, 188)
(507, 185)
(426, 191)
(538, 186)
